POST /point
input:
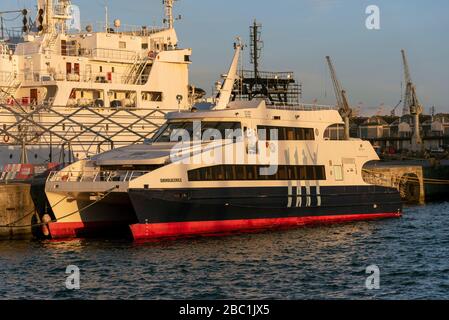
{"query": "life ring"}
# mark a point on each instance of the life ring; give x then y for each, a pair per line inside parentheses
(6, 138)
(151, 54)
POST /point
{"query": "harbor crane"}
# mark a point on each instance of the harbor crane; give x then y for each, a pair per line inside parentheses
(342, 99)
(412, 105)
(393, 111)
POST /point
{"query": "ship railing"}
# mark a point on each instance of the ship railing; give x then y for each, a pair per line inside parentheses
(301, 107)
(12, 33)
(288, 75)
(135, 30)
(7, 48)
(5, 77)
(109, 54)
(43, 76)
(95, 176)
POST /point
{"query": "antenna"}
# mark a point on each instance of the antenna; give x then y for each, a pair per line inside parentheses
(169, 20)
(256, 45)
(106, 16)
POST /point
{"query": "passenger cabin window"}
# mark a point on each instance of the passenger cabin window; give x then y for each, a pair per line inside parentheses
(196, 130)
(253, 172)
(154, 96)
(122, 45)
(285, 133)
(334, 132)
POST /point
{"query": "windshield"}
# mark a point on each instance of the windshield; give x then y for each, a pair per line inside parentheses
(172, 131)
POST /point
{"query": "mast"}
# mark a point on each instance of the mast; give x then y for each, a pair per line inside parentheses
(256, 47)
(226, 89)
(169, 20)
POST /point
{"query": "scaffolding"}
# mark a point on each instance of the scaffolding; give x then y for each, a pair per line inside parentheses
(82, 131)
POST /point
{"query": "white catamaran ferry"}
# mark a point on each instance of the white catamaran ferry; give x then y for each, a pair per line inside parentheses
(243, 165)
(66, 95)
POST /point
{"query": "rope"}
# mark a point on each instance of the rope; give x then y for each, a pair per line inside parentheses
(28, 214)
(108, 192)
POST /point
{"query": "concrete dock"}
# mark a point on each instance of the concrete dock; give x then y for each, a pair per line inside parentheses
(410, 178)
(17, 206)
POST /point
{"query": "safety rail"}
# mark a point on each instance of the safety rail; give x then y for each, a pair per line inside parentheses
(268, 75)
(5, 77)
(135, 30)
(44, 76)
(95, 176)
(301, 107)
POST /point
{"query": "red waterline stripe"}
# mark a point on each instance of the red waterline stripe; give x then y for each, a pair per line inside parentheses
(67, 230)
(174, 229)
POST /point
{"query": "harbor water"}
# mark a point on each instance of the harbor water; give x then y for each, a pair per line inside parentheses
(327, 262)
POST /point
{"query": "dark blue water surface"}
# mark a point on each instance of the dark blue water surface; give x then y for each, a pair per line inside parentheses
(309, 263)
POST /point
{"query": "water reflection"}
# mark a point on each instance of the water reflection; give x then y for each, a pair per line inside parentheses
(319, 262)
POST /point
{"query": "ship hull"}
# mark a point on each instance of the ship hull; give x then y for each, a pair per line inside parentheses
(187, 212)
(88, 218)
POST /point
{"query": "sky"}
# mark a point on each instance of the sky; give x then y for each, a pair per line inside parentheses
(297, 36)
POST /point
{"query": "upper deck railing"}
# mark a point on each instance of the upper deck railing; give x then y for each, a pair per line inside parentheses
(44, 76)
(267, 75)
(126, 29)
(95, 176)
(301, 107)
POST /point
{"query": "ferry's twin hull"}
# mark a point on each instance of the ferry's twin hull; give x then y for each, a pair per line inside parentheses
(152, 214)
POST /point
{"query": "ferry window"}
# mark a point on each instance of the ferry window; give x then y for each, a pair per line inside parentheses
(310, 172)
(291, 172)
(63, 47)
(229, 172)
(113, 69)
(302, 175)
(122, 45)
(334, 132)
(101, 68)
(252, 172)
(308, 134)
(228, 130)
(156, 96)
(68, 67)
(320, 173)
(144, 46)
(77, 68)
(218, 173)
(286, 133)
(291, 134)
(152, 96)
(239, 172)
(282, 173)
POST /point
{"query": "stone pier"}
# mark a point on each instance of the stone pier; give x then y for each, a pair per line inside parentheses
(15, 205)
(407, 179)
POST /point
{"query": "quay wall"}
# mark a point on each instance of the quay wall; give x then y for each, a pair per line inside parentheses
(17, 206)
(407, 179)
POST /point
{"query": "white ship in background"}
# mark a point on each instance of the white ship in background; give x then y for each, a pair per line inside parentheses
(68, 95)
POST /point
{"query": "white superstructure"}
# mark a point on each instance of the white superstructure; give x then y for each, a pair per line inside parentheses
(88, 91)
